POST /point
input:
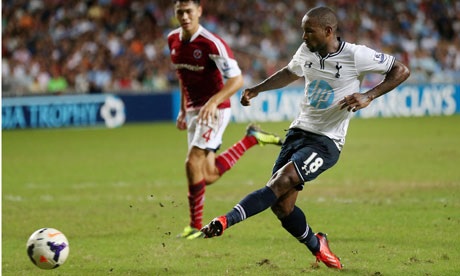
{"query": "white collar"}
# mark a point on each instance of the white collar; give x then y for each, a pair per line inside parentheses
(195, 35)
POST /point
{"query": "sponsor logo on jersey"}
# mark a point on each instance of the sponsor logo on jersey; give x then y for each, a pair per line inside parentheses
(320, 94)
(197, 54)
(194, 68)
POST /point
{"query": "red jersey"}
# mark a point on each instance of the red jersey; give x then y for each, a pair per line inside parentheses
(201, 64)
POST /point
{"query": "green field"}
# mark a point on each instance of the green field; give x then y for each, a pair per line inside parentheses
(391, 206)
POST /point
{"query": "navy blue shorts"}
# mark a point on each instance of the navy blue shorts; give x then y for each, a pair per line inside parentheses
(311, 154)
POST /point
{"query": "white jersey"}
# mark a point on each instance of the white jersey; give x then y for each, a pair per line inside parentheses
(328, 80)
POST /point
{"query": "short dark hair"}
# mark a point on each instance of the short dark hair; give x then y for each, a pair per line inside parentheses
(325, 15)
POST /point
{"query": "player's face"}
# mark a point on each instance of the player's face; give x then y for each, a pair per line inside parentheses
(314, 35)
(188, 14)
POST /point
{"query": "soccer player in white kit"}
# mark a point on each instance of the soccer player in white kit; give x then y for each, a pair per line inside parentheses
(333, 70)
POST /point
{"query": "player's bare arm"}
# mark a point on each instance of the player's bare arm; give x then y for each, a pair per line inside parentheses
(398, 73)
(209, 110)
(280, 79)
(181, 121)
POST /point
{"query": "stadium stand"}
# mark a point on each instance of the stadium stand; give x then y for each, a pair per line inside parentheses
(97, 46)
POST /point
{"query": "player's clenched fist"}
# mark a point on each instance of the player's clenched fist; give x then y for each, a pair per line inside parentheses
(247, 95)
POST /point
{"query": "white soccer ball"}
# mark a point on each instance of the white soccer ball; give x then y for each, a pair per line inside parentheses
(48, 248)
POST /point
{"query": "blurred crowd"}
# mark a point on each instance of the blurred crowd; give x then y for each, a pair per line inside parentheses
(97, 46)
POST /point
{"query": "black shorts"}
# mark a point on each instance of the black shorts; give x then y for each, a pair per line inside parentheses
(311, 154)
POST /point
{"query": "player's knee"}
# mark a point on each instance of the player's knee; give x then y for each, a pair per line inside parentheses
(282, 181)
(189, 162)
(192, 165)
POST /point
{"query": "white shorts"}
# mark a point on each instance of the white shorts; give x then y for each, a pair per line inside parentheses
(208, 135)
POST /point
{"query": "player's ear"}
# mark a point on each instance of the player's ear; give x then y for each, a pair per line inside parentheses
(328, 31)
(200, 11)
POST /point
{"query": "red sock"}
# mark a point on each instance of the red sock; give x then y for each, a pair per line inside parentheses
(228, 158)
(196, 203)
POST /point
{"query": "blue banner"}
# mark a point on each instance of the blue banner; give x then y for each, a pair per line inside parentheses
(148, 107)
(404, 101)
(62, 111)
(84, 110)
(279, 105)
(415, 100)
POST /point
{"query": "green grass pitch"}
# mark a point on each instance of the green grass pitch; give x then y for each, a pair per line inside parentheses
(391, 206)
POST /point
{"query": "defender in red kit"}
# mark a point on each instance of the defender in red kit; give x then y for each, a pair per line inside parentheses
(202, 61)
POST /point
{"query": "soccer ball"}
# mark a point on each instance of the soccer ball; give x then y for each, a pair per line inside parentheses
(47, 248)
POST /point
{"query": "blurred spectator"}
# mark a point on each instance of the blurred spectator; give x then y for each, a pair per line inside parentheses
(99, 75)
(156, 80)
(57, 84)
(107, 46)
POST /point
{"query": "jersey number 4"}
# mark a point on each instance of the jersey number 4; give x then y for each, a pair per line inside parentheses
(207, 135)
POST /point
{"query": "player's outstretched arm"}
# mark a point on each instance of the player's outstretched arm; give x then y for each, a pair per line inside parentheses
(398, 73)
(209, 110)
(279, 79)
(181, 121)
